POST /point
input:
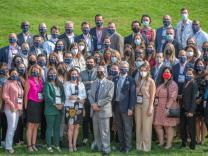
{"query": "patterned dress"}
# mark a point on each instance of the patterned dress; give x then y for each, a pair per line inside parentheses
(165, 98)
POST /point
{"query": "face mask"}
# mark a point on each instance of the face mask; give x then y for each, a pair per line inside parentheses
(145, 23)
(114, 73)
(69, 30)
(61, 71)
(205, 57)
(42, 30)
(124, 70)
(190, 53)
(169, 38)
(168, 52)
(3, 72)
(74, 51)
(149, 51)
(189, 77)
(35, 73)
(166, 23)
(54, 36)
(12, 40)
(25, 29)
(199, 68)
(52, 77)
(86, 31)
(14, 77)
(137, 41)
(111, 31)
(100, 75)
(184, 16)
(74, 77)
(127, 53)
(182, 59)
(138, 64)
(195, 28)
(158, 60)
(81, 47)
(205, 49)
(21, 71)
(166, 76)
(97, 60)
(25, 51)
(68, 60)
(106, 46)
(99, 23)
(17, 62)
(60, 47)
(31, 62)
(52, 61)
(41, 63)
(90, 66)
(143, 74)
(114, 59)
(135, 29)
(37, 44)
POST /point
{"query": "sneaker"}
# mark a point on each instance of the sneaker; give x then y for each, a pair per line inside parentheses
(30, 149)
(58, 149)
(85, 141)
(94, 146)
(35, 148)
(10, 151)
(50, 150)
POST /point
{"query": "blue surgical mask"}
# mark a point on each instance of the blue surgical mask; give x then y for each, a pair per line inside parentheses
(25, 51)
(166, 23)
(195, 28)
(111, 31)
(145, 23)
(52, 60)
(21, 71)
(54, 36)
(25, 29)
(69, 30)
(35, 74)
(182, 59)
(199, 68)
(169, 38)
(205, 57)
(74, 51)
(68, 60)
(137, 41)
(3, 72)
(37, 44)
(184, 16)
(41, 63)
(114, 59)
(97, 60)
(86, 31)
(124, 70)
(74, 77)
(12, 40)
(14, 77)
(42, 30)
(52, 77)
(138, 64)
(114, 73)
(189, 77)
(99, 23)
(60, 47)
(106, 46)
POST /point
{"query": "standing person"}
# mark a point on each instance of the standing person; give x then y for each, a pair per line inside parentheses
(33, 100)
(188, 108)
(54, 101)
(75, 96)
(13, 97)
(100, 97)
(88, 76)
(124, 100)
(166, 95)
(37, 47)
(42, 28)
(184, 28)
(145, 90)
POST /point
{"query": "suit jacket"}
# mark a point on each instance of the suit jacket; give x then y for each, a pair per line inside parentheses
(128, 39)
(66, 40)
(158, 79)
(85, 78)
(127, 99)
(92, 39)
(4, 53)
(189, 97)
(104, 98)
(94, 34)
(21, 40)
(33, 50)
(50, 99)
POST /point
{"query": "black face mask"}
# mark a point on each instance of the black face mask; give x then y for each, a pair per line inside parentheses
(127, 53)
(61, 71)
(135, 29)
(90, 66)
(100, 75)
(32, 62)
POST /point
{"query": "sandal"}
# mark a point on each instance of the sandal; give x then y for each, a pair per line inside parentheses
(35, 148)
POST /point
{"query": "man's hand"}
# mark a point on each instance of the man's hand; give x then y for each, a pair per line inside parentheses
(130, 112)
(95, 107)
(73, 97)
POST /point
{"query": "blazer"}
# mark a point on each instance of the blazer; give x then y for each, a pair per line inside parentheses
(66, 40)
(128, 39)
(94, 34)
(104, 97)
(189, 95)
(92, 39)
(33, 50)
(4, 53)
(158, 79)
(21, 40)
(50, 99)
(127, 99)
(85, 78)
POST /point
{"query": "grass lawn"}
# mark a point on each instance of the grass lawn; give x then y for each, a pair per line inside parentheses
(122, 12)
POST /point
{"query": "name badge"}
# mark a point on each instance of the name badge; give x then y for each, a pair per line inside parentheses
(181, 78)
(80, 105)
(156, 101)
(58, 100)
(99, 46)
(19, 100)
(40, 96)
(139, 99)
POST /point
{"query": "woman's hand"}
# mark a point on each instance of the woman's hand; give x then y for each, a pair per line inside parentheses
(149, 111)
(59, 106)
(73, 97)
(12, 108)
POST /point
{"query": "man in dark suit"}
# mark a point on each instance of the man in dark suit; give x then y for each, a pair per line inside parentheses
(88, 76)
(98, 31)
(124, 100)
(7, 53)
(135, 26)
(157, 70)
(89, 40)
(188, 109)
(25, 35)
(68, 36)
(37, 47)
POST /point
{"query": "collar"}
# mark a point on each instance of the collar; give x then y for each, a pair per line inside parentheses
(70, 36)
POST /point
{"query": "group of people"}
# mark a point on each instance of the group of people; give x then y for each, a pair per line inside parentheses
(153, 80)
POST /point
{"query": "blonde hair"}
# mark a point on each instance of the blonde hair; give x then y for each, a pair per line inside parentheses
(40, 75)
(170, 47)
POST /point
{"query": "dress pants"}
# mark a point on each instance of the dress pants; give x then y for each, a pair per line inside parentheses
(101, 127)
(143, 126)
(125, 124)
(3, 126)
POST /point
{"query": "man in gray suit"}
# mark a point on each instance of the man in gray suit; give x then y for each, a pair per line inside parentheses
(100, 97)
(117, 41)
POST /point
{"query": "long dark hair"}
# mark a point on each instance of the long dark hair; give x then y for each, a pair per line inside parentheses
(57, 83)
(170, 69)
(69, 74)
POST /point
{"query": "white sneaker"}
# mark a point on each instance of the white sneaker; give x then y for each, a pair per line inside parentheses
(85, 141)
(94, 146)
(50, 150)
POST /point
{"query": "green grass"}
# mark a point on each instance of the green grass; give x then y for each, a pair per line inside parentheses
(122, 12)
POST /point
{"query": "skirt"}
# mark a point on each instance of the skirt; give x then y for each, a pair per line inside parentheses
(34, 111)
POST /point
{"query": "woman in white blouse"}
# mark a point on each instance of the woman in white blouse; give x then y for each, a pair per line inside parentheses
(75, 95)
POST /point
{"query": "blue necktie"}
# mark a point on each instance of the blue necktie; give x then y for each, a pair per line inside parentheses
(97, 91)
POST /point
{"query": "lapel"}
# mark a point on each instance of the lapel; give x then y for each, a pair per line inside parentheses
(115, 83)
(7, 54)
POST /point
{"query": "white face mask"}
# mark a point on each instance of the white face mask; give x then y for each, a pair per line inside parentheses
(190, 53)
(81, 47)
(74, 51)
(143, 74)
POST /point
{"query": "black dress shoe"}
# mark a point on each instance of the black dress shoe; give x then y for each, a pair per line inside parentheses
(105, 154)
(183, 145)
(192, 146)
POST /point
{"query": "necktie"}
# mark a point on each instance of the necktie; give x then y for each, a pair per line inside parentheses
(97, 91)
